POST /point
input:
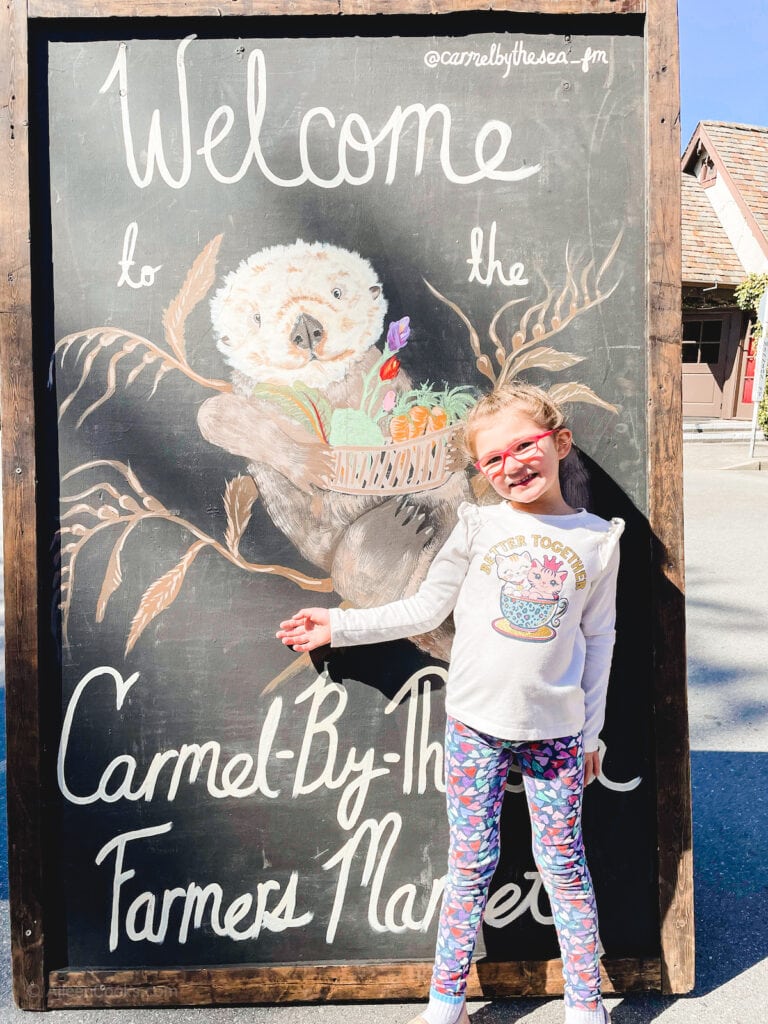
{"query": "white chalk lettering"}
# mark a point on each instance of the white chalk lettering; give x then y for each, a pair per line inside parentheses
(520, 56)
(147, 275)
(490, 150)
(506, 904)
(602, 778)
(143, 923)
(426, 750)
(590, 58)
(368, 863)
(154, 148)
(399, 907)
(355, 791)
(494, 267)
(118, 780)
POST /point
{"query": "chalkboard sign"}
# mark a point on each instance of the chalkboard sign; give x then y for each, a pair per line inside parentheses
(273, 262)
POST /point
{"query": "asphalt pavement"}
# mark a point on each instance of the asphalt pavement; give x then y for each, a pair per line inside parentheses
(727, 565)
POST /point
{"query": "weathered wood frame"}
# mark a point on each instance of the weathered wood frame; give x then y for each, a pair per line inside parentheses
(36, 984)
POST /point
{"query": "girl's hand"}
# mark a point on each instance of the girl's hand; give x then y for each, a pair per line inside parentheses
(591, 766)
(308, 629)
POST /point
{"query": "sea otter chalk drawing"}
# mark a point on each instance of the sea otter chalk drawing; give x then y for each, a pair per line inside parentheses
(299, 324)
(352, 462)
(297, 314)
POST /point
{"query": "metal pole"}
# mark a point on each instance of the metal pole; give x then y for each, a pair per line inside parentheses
(758, 384)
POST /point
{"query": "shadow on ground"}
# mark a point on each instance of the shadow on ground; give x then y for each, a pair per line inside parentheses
(730, 815)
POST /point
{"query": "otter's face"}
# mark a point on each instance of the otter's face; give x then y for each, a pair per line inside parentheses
(298, 314)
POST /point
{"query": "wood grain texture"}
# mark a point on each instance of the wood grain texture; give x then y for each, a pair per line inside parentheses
(329, 983)
(666, 502)
(25, 781)
(211, 8)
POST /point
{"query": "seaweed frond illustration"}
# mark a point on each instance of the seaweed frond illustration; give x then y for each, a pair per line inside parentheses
(126, 505)
(117, 500)
(524, 349)
(98, 340)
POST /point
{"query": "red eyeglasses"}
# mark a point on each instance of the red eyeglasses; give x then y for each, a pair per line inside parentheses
(525, 450)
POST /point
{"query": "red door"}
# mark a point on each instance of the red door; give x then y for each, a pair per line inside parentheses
(744, 403)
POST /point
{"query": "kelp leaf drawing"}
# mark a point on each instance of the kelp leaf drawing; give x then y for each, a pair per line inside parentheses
(239, 496)
(161, 594)
(197, 284)
(573, 392)
(522, 348)
(547, 359)
(474, 338)
(128, 511)
(143, 352)
(113, 577)
(305, 405)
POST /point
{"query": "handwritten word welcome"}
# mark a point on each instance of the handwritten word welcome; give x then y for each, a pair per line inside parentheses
(355, 137)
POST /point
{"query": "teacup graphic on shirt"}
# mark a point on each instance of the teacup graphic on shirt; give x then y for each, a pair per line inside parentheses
(530, 598)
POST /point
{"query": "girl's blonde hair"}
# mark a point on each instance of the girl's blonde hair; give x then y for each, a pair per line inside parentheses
(515, 394)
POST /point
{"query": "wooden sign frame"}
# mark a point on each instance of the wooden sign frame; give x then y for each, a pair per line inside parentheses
(38, 981)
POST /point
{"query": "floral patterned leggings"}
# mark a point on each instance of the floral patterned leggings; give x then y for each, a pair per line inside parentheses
(553, 776)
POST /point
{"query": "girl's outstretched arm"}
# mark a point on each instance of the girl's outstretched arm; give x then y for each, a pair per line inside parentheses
(306, 629)
(409, 616)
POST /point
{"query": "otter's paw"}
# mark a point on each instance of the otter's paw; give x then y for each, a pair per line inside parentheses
(381, 553)
(411, 522)
(455, 458)
(311, 467)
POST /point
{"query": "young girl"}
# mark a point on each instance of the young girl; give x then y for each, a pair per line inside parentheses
(532, 584)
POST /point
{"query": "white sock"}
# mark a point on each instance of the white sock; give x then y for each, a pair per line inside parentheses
(573, 1015)
(443, 1009)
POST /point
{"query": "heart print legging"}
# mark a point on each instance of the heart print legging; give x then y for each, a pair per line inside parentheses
(553, 776)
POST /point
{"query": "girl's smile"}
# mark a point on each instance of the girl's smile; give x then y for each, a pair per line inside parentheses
(530, 479)
(523, 481)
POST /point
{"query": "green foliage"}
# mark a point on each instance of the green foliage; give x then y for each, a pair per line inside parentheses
(750, 291)
(748, 296)
(455, 401)
(762, 414)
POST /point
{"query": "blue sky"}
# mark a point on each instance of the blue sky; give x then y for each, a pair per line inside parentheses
(723, 62)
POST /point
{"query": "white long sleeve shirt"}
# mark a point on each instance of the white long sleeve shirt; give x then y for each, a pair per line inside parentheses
(534, 603)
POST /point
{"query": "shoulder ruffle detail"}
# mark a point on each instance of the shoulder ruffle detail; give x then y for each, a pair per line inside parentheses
(469, 514)
(611, 540)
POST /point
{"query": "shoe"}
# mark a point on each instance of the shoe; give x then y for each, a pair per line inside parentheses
(606, 1015)
(463, 1017)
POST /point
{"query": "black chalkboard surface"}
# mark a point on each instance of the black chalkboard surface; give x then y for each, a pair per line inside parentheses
(210, 815)
(266, 247)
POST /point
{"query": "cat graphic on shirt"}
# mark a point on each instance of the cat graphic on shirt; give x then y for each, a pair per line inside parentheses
(545, 581)
(514, 569)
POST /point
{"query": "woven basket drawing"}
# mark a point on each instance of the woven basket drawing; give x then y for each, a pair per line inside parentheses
(397, 468)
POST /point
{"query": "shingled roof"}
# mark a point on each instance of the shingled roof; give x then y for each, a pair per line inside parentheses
(743, 149)
(707, 252)
(737, 154)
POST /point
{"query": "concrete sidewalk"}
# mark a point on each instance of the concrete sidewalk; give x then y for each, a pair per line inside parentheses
(727, 564)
